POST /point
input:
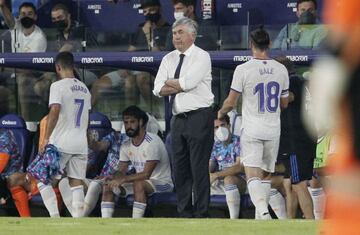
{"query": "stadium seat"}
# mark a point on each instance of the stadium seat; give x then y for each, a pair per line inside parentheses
(99, 126)
(17, 125)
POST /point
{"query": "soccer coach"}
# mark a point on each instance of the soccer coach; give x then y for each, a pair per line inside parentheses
(185, 77)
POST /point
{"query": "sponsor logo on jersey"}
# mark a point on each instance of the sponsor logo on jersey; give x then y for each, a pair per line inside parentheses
(92, 60)
(242, 58)
(142, 59)
(8, 122)
(2, 60)
(43, 60)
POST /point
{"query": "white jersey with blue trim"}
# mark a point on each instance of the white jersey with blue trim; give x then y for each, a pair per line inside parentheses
(261, 83)
(151, 148)
(69, 134)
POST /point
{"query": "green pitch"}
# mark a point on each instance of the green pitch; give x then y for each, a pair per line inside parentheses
(156, 226)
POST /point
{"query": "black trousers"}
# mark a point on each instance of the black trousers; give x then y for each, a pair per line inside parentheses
(192, 136)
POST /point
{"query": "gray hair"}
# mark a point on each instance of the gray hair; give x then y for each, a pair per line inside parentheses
(190, 24)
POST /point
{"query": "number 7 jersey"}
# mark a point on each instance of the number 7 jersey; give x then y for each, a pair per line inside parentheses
(69, 134)
(262, 83)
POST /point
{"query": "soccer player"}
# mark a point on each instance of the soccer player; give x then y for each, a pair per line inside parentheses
(66, 129)
(147, 153)
(263, 84)
(225, 166)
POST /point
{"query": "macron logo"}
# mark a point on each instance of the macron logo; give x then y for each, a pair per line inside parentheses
(242, 58)
(298, 58)
(142, 59)
(95, 122)
(92, 60)
(8, 122)
(43, 60)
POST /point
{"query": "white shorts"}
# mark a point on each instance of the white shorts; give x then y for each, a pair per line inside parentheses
(259, 153)
(158, 186)
(73, 165)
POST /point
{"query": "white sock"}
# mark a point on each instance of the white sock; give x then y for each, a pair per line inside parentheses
(138, 210)
(233, 200)
(266, 184)
(267, 187)
(277, 203)
(66, 193)
(77, 201)
(258, 197)
(49, 198)
(107, 209)
(318, 198)
(92, 196)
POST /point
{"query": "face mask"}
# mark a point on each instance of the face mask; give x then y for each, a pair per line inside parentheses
(307, 18)
(222, 134)
(179, 15)
(60, 25)
(27, 22)
(153, 17)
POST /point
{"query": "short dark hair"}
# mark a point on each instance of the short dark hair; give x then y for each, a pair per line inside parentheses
(28, 4)
(301, 1)
(225, 119)
(60, 6)
(136, 112)
(65, 59)
(185, 2)
(260, 38)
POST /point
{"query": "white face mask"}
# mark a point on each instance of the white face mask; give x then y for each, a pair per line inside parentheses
(222, 133)
(178, 15)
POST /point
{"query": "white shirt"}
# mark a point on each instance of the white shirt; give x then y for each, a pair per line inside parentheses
(195, 79)
(262, 83)
(151, 149)
(35, 42)
(69, 134)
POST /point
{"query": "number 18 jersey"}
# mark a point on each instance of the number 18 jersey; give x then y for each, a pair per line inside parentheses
(69, 134)
(262, 83)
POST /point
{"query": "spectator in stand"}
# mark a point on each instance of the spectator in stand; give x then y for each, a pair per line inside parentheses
(306, 33)
(207, 32)
(150, 36)
(25, 37)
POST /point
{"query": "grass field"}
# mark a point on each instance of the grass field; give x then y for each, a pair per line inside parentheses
(156, 226)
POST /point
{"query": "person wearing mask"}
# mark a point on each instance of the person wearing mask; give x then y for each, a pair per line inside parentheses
(207, 33)
(306, 33)
(225, 166)
(25, 35)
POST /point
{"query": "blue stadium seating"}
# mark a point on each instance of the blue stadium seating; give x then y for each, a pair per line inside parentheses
(17, 125)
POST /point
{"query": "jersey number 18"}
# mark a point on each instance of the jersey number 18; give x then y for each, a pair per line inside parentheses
(268, 96)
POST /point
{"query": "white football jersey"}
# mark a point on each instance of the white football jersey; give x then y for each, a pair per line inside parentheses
(262, 83)
(151, 149)
(69, 134)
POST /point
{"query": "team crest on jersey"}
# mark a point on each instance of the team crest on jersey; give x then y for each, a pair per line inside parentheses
(130, 153)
